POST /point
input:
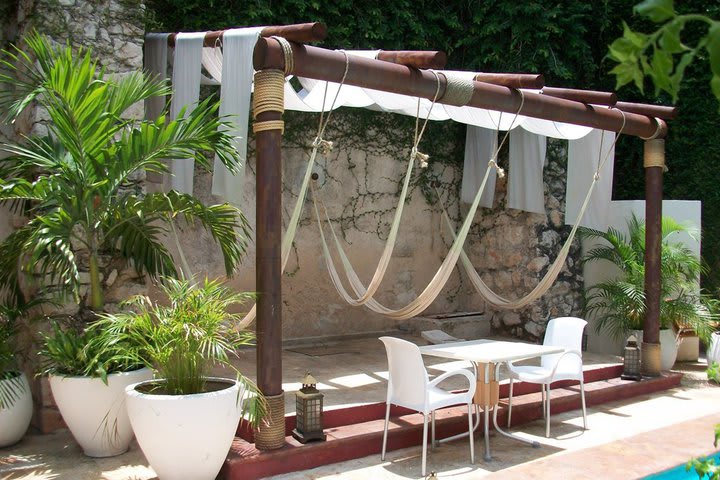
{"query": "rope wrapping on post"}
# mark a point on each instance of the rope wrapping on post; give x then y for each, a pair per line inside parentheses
(458, 89)
(269, 96)
(654, 155)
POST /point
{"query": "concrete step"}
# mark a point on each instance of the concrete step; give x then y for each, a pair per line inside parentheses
(357, 432)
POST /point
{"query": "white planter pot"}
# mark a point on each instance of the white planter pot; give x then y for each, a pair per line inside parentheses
(15, 420)
(669, 342)
(186, 436)
(95, 413)
(713, 351)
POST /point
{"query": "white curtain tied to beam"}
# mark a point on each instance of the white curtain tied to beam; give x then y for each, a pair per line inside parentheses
(156, 49)
(236, 84)
(480, 144)
(583, 157)
(186, 87)
(525, 176)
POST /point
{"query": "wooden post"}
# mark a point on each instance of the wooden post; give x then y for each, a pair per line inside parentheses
(268, 109)
(654, 162)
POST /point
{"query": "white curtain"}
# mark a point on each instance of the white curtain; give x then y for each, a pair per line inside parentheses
(584, 156)
(237, 75)
(186, 85)
(156, 48)
(525, 175)
(480, 144)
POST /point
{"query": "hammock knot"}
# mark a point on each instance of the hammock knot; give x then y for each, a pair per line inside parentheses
(500, 171)
(324, 146)
(596, 176)
(415, 154)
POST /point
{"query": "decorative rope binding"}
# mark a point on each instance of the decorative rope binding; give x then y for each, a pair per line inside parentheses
(269, 96)
(271, 434)
(654, 155)
(458, 89)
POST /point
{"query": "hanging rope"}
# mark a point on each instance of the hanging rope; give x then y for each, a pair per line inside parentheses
(363, 294)
(554, 270)
(317, 145)
(433, 289)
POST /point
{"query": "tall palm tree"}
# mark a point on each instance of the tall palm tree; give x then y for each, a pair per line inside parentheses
(619, 304)
(73, 182)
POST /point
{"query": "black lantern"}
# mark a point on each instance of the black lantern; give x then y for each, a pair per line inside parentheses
(631, 361)
(308, 411)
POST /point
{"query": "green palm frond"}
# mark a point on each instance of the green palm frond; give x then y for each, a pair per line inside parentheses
(619, 304)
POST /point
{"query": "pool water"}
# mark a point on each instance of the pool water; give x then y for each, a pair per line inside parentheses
(679, 472)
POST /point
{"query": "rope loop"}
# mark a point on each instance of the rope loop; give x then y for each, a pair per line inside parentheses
(324, 146)
(288, 58)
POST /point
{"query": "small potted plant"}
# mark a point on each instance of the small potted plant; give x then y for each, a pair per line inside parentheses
(618, 304)
(15, 397)
(88, 373)
(186, 419)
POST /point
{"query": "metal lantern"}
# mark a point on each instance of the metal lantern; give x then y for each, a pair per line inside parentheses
(308, 408)
(631, 362)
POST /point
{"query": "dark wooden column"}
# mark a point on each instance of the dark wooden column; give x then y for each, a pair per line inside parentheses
(268, 110)
(654, 162)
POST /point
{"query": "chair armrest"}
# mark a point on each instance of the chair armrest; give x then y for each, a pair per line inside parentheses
(575, 353)
(465, 373)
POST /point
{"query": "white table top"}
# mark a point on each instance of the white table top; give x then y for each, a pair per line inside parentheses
(489, 351)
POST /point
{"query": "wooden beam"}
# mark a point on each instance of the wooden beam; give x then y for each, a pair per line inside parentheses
(415, 59)
(536, 81)
(659, 111)
(301, 33)
(584, 96)
(329, 65)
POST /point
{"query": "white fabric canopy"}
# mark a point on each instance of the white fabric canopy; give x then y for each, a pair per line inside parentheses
(583, 157)
(480, 145)
(186, 87)
(525, 178)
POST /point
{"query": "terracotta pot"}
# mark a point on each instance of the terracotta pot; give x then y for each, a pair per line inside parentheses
(95, 413)
(185, 436)
(15, 419)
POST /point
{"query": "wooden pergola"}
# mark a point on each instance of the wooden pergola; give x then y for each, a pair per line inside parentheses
(402, 73)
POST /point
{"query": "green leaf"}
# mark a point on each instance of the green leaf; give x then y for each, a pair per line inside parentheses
(622, 50)
(639, 40)
(713, 47)
(715, 86)
(624, 73)
(669, 39)
(657, 11)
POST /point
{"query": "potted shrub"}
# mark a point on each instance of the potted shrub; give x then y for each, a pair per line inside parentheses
(15, 397)
(87, 218)
(186, 419)
(618, 305)
(88, 373)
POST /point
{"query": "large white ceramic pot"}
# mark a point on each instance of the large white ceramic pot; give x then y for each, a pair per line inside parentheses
(15, 419)
(95, 412)
(713, 351)
(185, 436)
(669, 343)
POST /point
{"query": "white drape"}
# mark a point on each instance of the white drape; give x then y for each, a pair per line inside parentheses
(186, 86)
(583, 157)
(480, 144)
(237, 76)
(156, 49)
(525, 178)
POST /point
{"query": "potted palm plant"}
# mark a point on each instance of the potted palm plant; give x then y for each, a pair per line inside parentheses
(87, 220)
(618, 305)
(15, 398)
(185, 419)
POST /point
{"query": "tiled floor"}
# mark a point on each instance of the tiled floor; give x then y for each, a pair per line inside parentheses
(646, 434)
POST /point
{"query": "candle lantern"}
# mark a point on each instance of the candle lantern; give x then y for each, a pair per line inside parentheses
(308, 411)
(631, 361)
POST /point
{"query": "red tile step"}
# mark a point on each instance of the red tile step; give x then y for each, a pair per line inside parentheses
(356, 432)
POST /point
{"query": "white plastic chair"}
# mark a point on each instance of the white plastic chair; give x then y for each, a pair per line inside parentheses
(409, 386)
(561, 332)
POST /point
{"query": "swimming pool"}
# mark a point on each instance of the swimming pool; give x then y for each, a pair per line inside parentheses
(679, 472)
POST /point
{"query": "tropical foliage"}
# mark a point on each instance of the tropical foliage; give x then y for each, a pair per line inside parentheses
(184, 339)
(618, 304)
(74, 183)
(662, 55)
